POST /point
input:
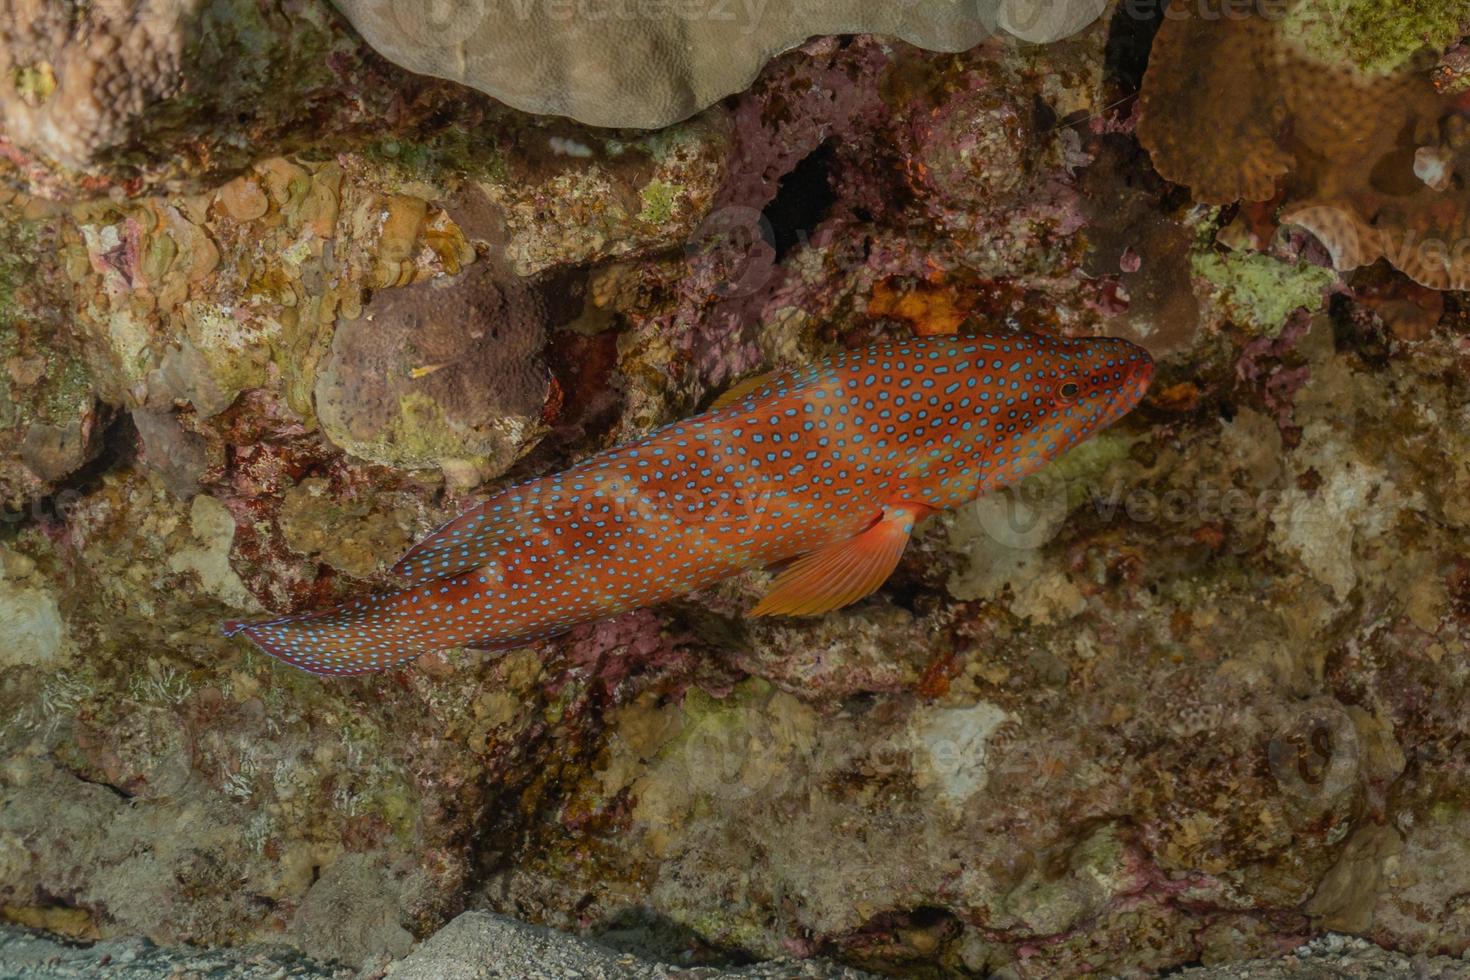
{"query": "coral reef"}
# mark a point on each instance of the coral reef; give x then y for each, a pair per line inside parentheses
(1193, 695)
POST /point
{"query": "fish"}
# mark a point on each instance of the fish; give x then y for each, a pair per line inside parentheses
(821, 472)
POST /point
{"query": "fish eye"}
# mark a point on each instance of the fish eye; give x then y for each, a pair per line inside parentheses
(1069, 390)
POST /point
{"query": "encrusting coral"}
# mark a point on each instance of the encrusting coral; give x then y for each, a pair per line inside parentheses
(406, 384)
(1317, 110)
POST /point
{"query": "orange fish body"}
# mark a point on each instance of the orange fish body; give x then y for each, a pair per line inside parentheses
(830, 465)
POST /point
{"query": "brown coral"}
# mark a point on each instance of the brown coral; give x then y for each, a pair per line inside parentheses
(50, 419)
(1373, 164)
(440, 373)
(1198, 78)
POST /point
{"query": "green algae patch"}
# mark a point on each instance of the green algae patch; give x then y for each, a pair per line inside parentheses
(658, 198)
(1259, 291)
(1085, 464)
(1377, 37)
(17, 244)
(438, 161)
(69, 393)
(34, 83)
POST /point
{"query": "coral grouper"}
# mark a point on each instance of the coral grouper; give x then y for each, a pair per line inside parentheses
(831, 465)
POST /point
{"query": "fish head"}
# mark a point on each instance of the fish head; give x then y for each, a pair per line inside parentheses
(1046, 394)
(1097, 382)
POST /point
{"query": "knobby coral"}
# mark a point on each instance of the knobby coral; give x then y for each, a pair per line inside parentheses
(101, 97)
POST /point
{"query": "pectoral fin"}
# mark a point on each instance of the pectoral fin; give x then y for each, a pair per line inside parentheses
(844, 572)
(742, 389)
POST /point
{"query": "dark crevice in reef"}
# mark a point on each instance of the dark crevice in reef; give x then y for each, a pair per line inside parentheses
(117, 791)
(1175, 971)
(1358, 335)
(802, 200)
(650, 935)
(885, 943)
(118, 449)
(1130, 36)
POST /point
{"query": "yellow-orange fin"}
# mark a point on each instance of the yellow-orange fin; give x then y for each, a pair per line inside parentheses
(844, 572)
(741, 389)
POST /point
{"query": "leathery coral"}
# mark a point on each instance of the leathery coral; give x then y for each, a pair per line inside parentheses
(1356, 141)
(653, 63)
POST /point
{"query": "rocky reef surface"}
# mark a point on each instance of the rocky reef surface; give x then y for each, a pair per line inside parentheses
(271, 309)
(490, 947)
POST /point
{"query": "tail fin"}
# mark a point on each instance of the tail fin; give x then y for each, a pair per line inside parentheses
(332, 656)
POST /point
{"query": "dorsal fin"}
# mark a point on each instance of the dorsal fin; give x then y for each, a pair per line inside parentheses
(508, 517)
(468, 541)
(742, 388)
(504, 520)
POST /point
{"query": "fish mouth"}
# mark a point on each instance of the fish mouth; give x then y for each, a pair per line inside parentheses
(1143, 376)
(1137, 378)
